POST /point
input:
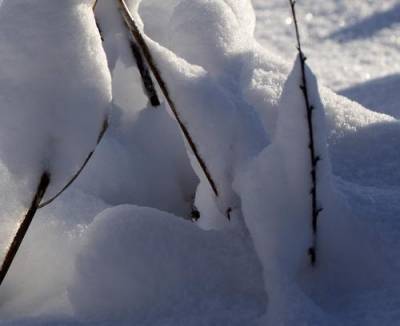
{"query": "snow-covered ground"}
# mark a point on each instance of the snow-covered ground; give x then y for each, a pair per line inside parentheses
(119, 246)
(348, 42)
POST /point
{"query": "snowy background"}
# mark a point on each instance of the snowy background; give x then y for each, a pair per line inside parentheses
(119, 246)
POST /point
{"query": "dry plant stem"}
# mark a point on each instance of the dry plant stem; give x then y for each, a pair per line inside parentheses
(148, 85)
(314, 158)
(23, 228)
(137, 35)
(85, 162)
(147, 81)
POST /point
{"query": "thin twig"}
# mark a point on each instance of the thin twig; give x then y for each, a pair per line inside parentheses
(147, 82)
(23, 228)
(314, 157)
(76, 175)
(137, 35)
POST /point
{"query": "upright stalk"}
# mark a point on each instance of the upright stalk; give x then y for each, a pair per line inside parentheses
(314, 158)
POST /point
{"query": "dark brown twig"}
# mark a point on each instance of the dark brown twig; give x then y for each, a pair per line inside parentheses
(23, 228)
(314, 157)
(147, 82)
(137, 35)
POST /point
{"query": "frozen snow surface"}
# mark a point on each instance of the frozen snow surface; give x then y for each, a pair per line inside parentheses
(120, 246)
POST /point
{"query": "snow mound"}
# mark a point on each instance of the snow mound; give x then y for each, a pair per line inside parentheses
(55, 88)
(172, 268)
(205, 32)
(95, 256)
(37, 281)
(276, 204)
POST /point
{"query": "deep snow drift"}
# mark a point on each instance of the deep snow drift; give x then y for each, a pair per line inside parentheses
(119, 247)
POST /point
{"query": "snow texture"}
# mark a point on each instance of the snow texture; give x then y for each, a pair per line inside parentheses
(160, 277)
(281, 175)
(119, 246)
(55, 89)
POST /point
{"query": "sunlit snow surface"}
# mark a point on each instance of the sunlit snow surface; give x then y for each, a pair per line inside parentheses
(114, 250)
(347, 42)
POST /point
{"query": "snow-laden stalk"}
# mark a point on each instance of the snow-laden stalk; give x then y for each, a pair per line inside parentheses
(147, 82)
(140, 41)
(82, 167)
(36, 204)
(24, 226)
(314, 157)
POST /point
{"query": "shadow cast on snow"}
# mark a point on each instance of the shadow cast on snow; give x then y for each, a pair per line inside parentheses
(368, 26)
(380, 95)
(369, 156)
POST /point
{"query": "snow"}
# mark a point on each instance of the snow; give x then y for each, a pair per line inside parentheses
(160, 277)
(283, 170)
(119, 246)
(145, 165)
(37, 281)
(55, 94)
(281, 175)
(114, 36)
(224, 146)
(217, 29)
(347, 42)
